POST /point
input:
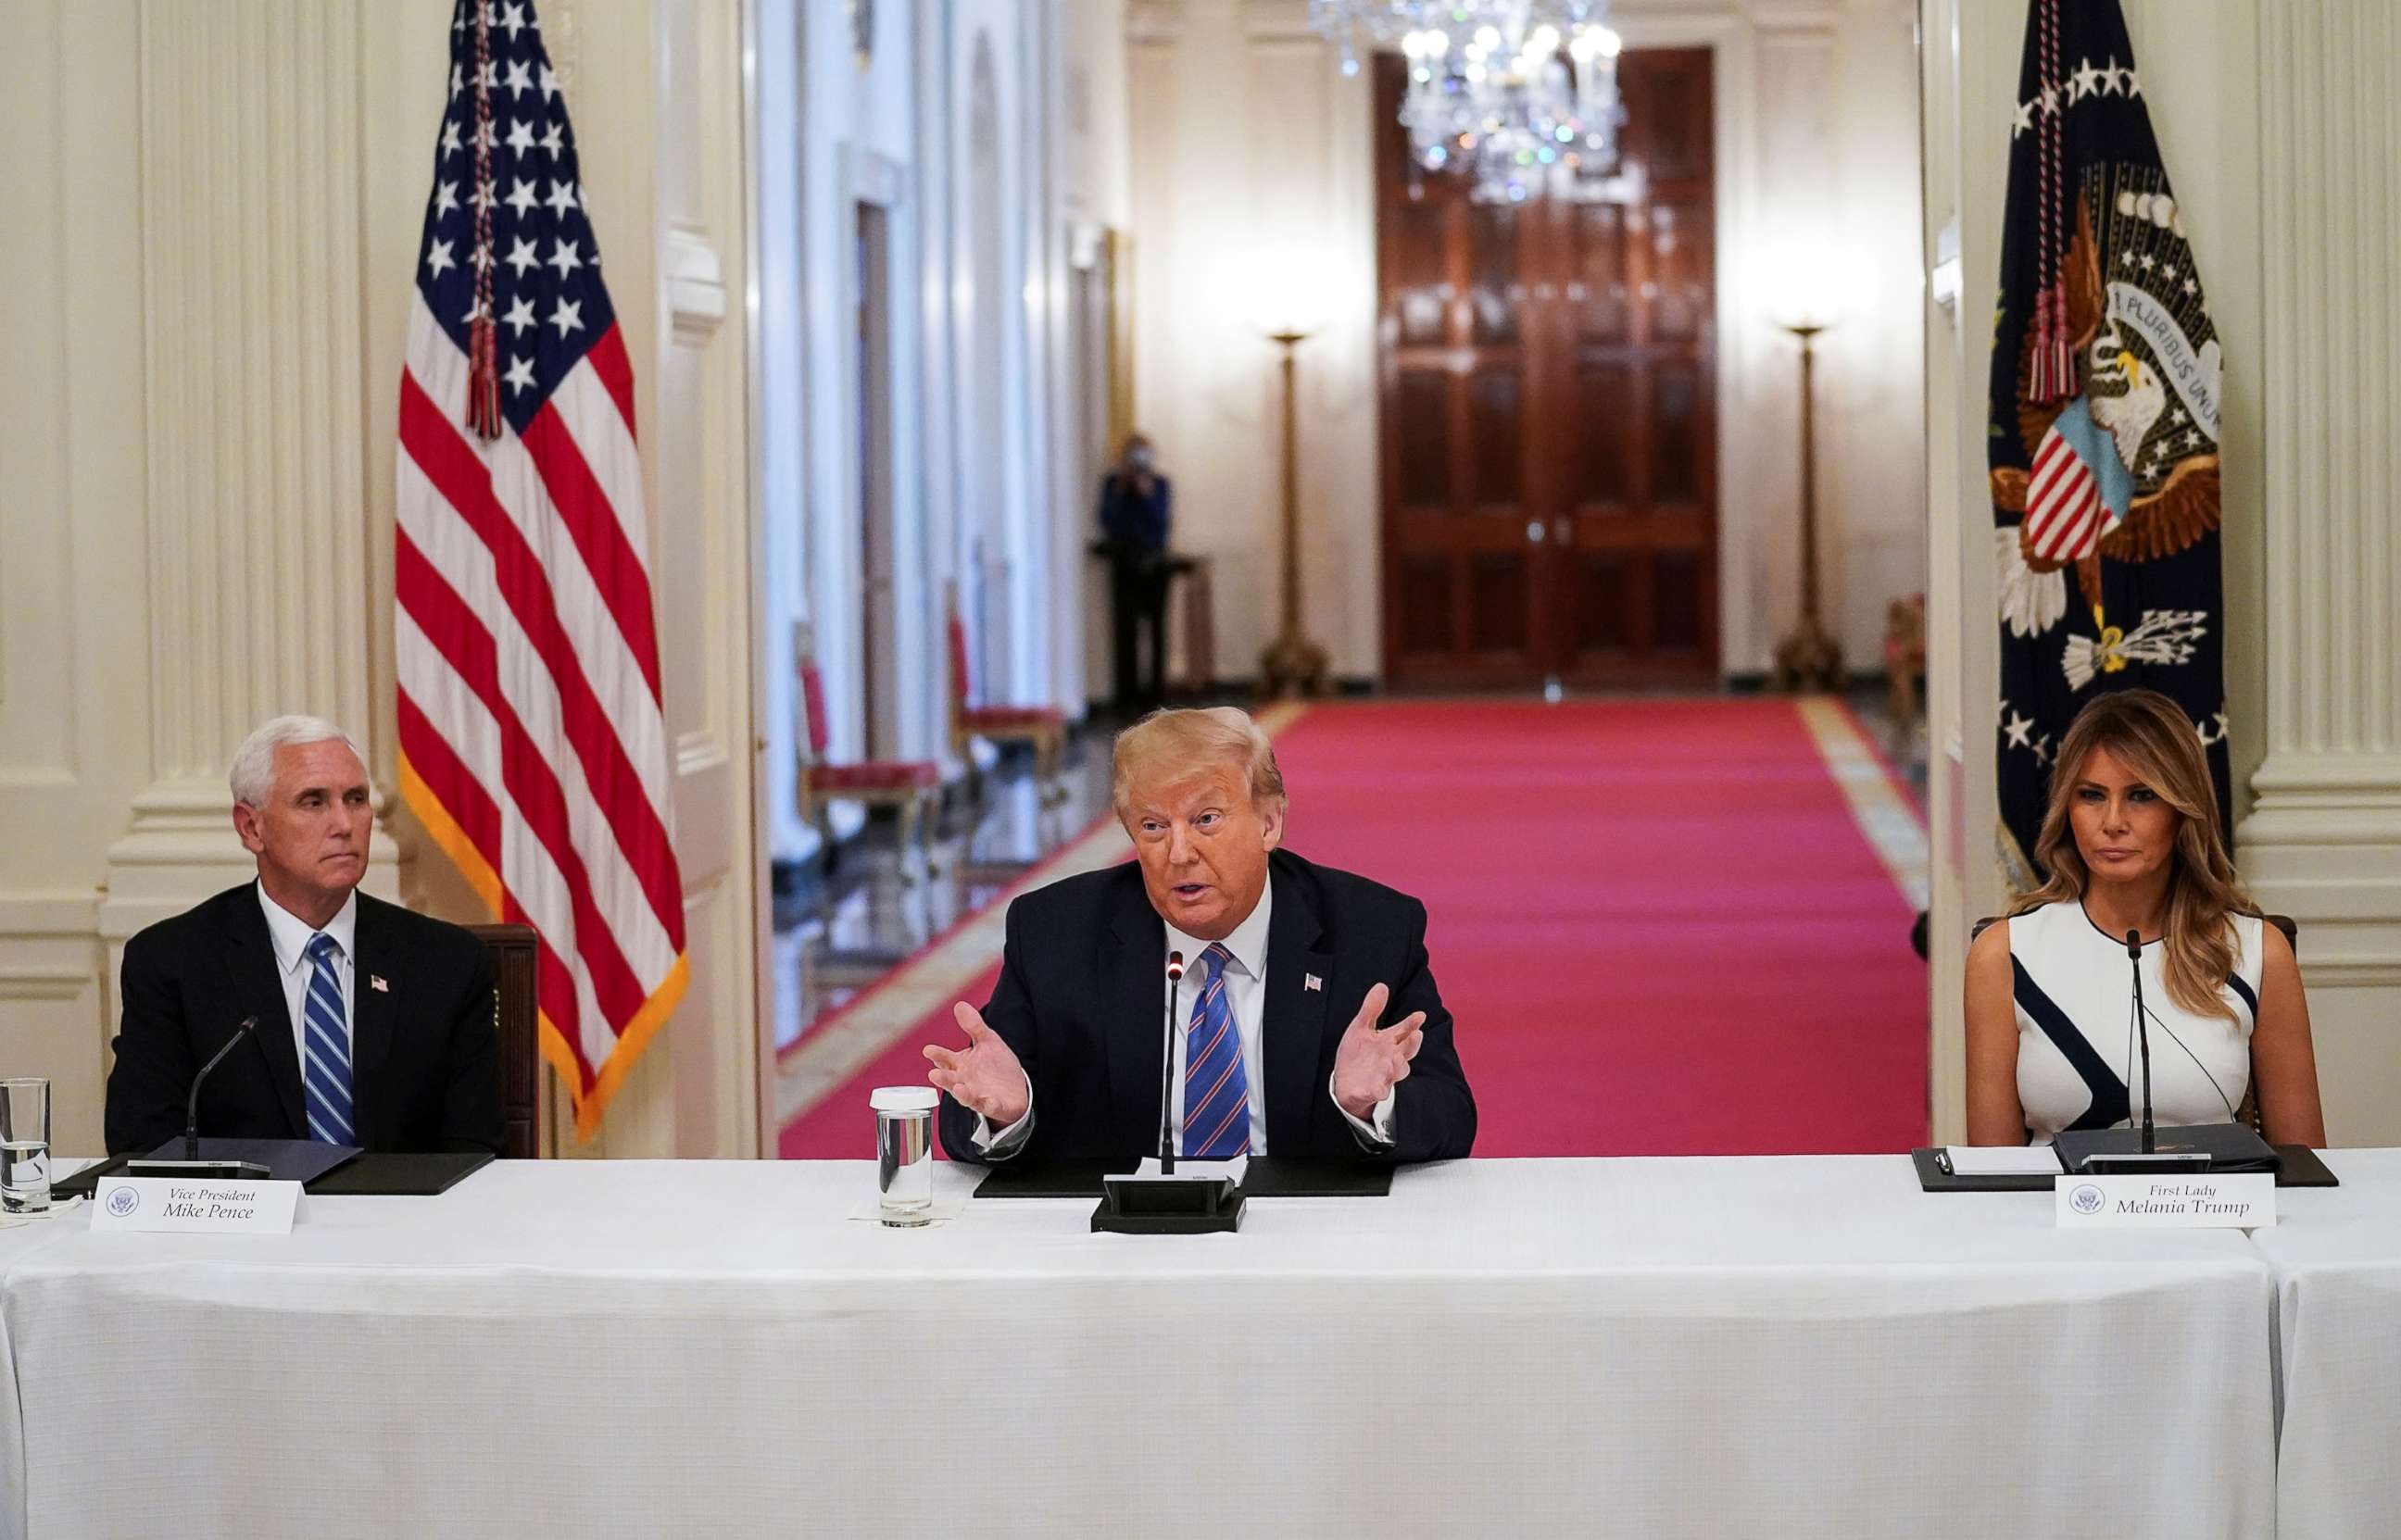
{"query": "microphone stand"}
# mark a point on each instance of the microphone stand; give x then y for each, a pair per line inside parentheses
(1167, 1069)
(2135, 1149)
(2142, 1035)
(192, 1103)
(1167, 1204)
(192, 1166)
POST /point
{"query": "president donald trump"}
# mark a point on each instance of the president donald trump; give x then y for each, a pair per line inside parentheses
(1306, 1021)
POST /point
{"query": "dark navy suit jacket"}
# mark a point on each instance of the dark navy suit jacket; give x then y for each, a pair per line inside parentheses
(424, 1051)
(1082, 998)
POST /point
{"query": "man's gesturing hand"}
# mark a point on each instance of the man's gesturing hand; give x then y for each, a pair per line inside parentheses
(1369, 1063)
(985, 1077)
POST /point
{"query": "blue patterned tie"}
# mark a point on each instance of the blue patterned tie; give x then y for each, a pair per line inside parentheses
(1216, 1091)
(326, 1065)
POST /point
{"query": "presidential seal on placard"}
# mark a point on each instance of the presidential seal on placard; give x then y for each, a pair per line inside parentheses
(2086, 1199)
(123, 1201)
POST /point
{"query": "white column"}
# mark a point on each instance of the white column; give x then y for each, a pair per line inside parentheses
(2323, 843)
(249, 414)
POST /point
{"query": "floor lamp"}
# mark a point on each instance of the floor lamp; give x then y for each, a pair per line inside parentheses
(1292, 663)
(1808, 658)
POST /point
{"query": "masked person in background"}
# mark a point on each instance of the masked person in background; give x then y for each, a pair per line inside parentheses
(1134, 526)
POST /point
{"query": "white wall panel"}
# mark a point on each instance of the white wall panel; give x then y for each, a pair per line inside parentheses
(210, 260)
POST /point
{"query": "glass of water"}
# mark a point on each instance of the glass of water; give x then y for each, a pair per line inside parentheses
(904, 1152)
(25, 1146)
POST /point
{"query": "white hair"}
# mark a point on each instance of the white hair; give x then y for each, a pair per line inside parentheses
(253, 776)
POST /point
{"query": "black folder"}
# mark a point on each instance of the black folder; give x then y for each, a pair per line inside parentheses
(1265, 1176)
(1050, 1179)
(385, 1175)
(86, 1181)
(2298, 1165)
(286, 1160)
(2231, 1147)
(393, 1175)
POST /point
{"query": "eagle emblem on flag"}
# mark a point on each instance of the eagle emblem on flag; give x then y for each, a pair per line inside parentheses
(2126, 467)
(2104, 418)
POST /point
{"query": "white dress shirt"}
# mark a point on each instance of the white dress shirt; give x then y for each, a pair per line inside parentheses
(1246, 995)
(291, 934)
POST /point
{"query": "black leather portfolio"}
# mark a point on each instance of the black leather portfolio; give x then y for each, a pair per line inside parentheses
(286, 1160)
(399, 1175)
(2297, 1165)
(2223, 1146)
(364, 1176)
(1266, 1176)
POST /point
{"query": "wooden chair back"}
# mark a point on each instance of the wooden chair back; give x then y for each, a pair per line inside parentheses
(516, 1018)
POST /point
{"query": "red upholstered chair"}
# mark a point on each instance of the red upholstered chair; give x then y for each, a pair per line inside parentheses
(907, 785)
(1044, 728)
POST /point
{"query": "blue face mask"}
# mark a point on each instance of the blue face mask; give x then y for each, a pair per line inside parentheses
(1139, 460)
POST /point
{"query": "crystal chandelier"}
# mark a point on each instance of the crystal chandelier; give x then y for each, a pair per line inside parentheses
(1490, 95)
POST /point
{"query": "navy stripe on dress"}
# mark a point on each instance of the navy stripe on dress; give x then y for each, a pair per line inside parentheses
(2110, 1105)
(2250, 1000)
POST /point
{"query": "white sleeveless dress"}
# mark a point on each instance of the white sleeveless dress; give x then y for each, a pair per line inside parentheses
(2080, 1063)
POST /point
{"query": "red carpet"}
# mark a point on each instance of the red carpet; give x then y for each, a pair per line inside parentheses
(1655, 921)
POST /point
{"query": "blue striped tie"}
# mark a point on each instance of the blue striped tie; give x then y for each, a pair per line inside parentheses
(326, 1065)
(1216, 1089)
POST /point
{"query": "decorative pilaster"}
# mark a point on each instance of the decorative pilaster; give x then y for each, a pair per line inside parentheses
(2324, 840)
(250, 415)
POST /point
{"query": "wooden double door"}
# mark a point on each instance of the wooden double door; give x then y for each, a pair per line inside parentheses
(1548, 422)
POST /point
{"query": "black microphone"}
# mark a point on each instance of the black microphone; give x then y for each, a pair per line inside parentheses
(1167, 1069)
(192, 1107)
(2143, 1034)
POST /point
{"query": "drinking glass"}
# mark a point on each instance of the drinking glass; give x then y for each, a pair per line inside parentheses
(904, 1152)
(24, 1145)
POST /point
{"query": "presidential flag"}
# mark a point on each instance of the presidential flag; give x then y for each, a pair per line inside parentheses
(2104, 418)
(532, 746)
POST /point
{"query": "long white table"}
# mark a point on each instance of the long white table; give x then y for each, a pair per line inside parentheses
(1800, 1348)
(2338, 1261)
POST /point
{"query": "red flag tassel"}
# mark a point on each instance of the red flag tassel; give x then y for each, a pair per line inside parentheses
(2051, 373)
(2053, 376)
(483, 379)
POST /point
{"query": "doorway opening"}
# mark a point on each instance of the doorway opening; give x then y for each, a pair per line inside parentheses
(1547, 384)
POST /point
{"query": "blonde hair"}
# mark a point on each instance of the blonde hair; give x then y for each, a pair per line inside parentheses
(1169, 745)
(2148, 734)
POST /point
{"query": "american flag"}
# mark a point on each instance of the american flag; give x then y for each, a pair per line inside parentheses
(2065, 515)
(533, 745)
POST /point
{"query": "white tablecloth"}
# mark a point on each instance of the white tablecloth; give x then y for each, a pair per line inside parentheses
(2337, 1260)
(1793, 1347)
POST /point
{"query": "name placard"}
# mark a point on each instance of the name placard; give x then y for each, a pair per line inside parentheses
(2223, 1200)
(195, 1207)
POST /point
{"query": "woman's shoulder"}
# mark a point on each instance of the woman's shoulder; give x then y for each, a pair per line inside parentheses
(2029, 926)
(2013, 933)
(2251, 944)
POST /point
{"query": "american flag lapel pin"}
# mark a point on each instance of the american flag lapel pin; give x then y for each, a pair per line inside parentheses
(374, 982)
(1310, 981)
